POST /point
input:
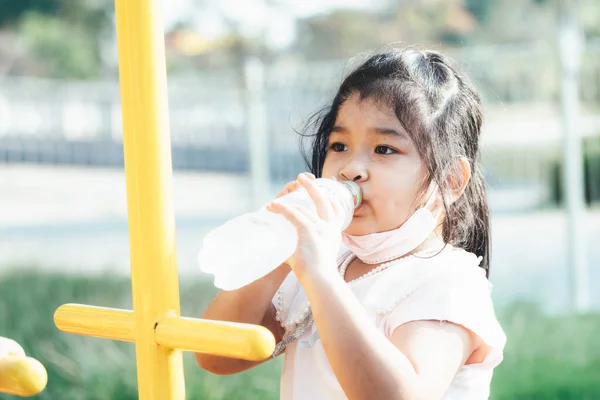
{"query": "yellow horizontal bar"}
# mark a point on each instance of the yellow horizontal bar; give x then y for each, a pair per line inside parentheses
(102, 322)
(227, 339)
(20, 375)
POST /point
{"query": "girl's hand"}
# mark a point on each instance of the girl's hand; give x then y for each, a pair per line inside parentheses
(291, 187)
(319, 231)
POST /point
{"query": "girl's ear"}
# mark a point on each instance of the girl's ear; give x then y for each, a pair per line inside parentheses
(457, 178)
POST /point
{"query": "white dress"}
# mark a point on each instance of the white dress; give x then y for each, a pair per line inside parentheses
(449, 286)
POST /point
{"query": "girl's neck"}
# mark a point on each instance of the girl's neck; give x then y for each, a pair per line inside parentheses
(434, 242)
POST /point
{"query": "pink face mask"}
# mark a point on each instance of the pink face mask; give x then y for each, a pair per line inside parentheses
(385, 246)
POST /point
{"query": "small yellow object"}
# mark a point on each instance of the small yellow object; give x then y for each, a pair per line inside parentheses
(9, 347)
(20, 375)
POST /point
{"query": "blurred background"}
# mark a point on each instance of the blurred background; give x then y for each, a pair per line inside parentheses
(244, 77)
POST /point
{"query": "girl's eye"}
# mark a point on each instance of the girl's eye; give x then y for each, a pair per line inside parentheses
(384, 150)
(338, 147)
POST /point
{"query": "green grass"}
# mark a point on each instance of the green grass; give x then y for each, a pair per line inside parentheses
(546, 357)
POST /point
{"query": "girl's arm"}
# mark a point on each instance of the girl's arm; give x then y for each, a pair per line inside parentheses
(419, 362)
(250, 304)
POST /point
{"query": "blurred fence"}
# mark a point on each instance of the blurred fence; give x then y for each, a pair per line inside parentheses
(65, 122)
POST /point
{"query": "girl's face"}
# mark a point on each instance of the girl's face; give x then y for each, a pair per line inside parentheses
(368, 145)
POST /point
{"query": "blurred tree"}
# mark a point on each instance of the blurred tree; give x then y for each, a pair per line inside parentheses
(446, 22)
(479, 8)
(590, 17)
(65, 38)
(345, 33)
(11, 11)
(62, 38)
(67, 51)
(339, 34)
(437, 23)
(513, 22)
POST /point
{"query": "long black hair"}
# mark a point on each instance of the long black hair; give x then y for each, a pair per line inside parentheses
(441, 111)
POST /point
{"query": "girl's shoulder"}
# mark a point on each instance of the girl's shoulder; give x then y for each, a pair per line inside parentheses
(450, 271)
(449, 286)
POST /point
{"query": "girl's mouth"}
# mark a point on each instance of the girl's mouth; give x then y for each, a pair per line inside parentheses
(359, 209)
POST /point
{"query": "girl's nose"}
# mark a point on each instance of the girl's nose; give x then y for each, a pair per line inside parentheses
(354, 171)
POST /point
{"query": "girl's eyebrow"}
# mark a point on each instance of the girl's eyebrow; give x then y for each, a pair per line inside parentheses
(378, 130)
(391, 132)
(339, 129)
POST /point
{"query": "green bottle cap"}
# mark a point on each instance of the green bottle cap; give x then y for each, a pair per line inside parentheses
(356, 192)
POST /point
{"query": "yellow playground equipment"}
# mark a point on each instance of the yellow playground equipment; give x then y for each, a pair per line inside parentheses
(155, 325)
(20, 375)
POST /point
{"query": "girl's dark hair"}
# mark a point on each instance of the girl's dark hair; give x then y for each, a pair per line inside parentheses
(441, 111)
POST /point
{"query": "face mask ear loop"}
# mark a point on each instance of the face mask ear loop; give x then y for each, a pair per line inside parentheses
(432, 195)
(431, 200)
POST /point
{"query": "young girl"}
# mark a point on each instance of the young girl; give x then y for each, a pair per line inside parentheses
(398, 306)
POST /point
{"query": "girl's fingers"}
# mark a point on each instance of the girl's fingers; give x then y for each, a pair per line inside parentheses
(293, 186)
(282, 193)
(296, 215)
(324, 208)
(288, 188)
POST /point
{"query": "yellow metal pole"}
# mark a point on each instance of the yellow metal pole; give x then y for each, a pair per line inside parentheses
(155, 324)
(147, 148)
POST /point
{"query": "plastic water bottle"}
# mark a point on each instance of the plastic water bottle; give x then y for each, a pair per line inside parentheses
(250, 246)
